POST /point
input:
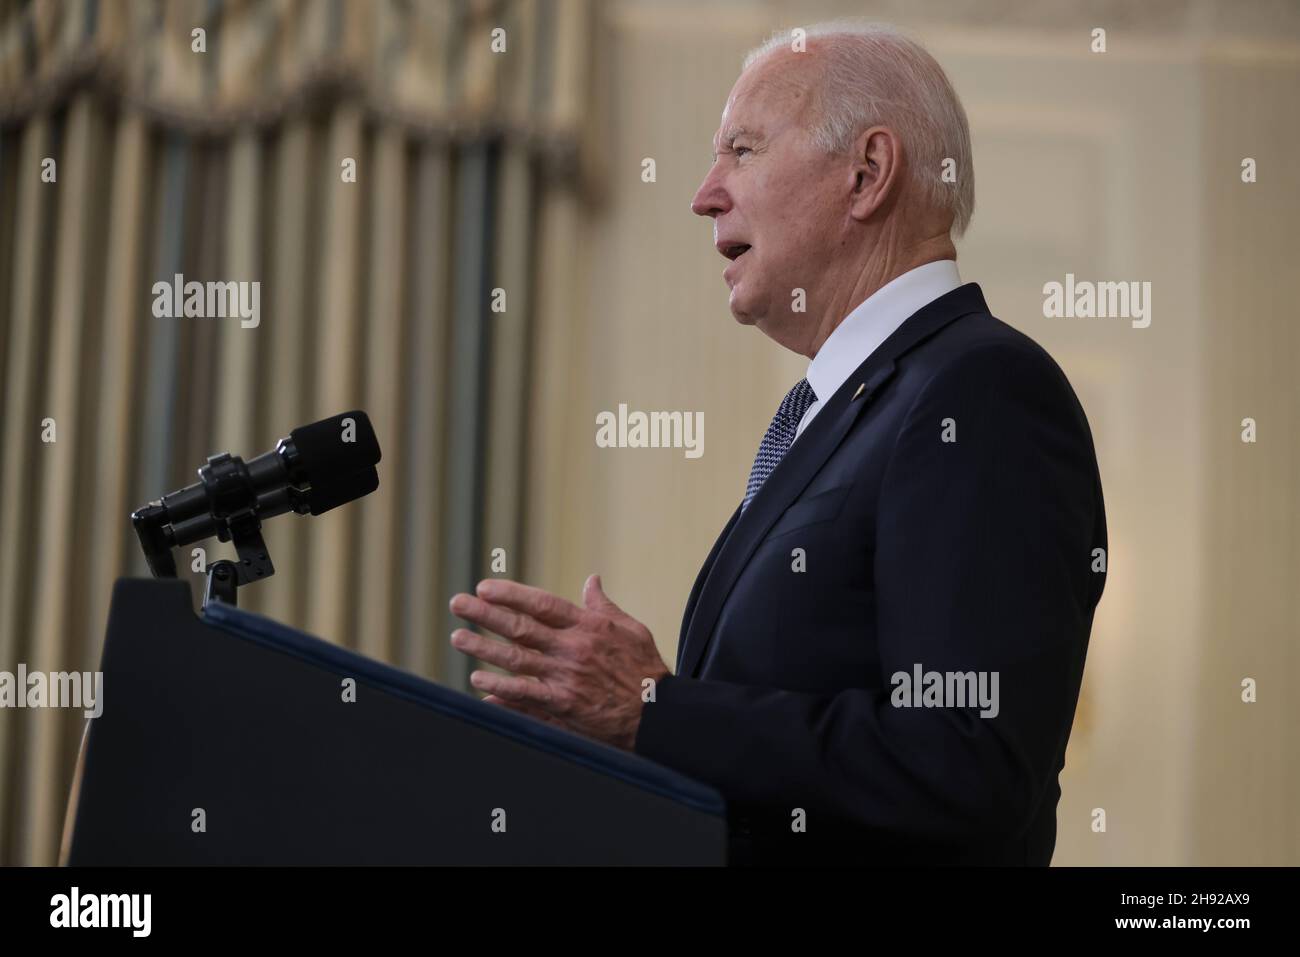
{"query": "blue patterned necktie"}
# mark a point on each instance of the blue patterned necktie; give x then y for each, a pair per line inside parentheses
(779, 436)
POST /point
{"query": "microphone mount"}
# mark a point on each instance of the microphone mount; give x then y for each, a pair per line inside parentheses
(233, 517)
(317, 468)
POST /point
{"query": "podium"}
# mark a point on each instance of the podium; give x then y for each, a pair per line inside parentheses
(228, 738)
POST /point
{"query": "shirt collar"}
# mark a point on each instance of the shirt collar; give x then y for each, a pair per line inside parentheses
(874, 320)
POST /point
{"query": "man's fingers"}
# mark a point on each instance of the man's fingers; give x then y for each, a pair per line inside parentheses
(503, 654)
(535, 713)
(504, 621)
(547, 608)
(516, 690)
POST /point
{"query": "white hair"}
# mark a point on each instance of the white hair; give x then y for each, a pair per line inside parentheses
(873, 73)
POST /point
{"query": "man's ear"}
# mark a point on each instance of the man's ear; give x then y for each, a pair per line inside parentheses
(876, 170)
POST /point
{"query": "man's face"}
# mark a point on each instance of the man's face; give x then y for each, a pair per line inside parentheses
(777, 202)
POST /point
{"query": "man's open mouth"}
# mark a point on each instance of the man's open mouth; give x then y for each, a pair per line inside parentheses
(735, 251)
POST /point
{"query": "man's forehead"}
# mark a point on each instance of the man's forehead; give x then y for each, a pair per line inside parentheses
(770, 90)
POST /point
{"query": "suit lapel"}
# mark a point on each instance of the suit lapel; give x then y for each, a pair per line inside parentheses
(732, 551)
(699, 585)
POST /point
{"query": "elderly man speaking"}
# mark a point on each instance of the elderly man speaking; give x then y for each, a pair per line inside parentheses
(881, 657)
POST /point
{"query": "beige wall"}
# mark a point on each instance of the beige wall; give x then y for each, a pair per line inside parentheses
(1122, 166)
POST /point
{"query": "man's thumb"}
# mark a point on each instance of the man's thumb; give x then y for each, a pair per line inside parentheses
(594, 597)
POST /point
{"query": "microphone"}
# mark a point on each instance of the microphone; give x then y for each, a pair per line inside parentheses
(317, 468)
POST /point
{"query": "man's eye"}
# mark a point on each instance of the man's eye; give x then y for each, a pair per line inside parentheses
(740, 150)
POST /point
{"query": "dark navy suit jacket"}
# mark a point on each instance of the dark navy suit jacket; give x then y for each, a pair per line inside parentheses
(878, 545)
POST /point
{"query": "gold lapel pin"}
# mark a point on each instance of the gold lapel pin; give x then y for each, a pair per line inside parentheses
(861, 389)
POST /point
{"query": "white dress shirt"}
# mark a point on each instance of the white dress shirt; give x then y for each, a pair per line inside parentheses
(874, 321)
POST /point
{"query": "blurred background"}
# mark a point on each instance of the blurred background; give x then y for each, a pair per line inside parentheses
(512, 177)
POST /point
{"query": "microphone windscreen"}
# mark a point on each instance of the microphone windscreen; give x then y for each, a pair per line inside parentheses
(326, 449)
(340, 489)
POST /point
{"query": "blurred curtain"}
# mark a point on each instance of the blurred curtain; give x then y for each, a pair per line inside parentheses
(228, 165)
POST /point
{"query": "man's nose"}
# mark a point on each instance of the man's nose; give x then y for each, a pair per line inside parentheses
(711, 199)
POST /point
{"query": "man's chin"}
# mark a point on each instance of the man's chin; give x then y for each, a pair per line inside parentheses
(741, 310)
